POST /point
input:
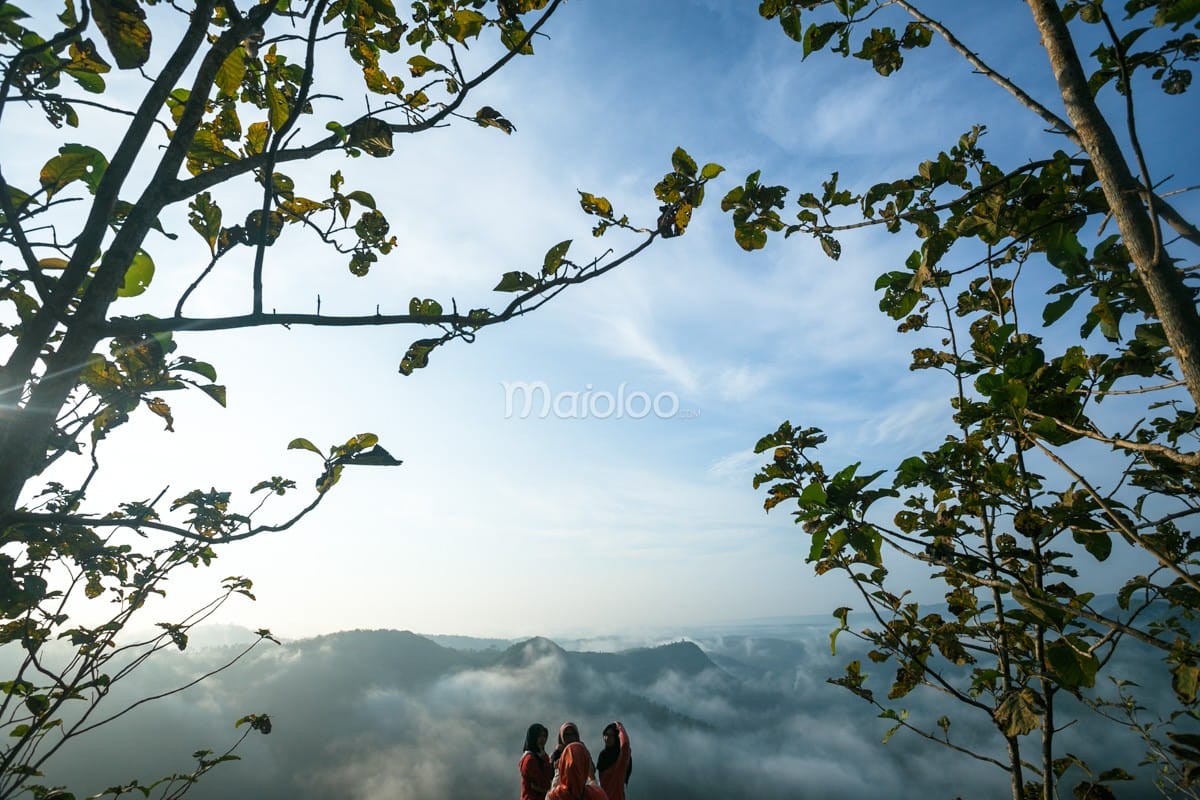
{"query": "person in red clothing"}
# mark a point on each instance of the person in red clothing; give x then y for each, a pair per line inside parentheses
(568, 733)
(615, 763)
(574, 767)
(536, 770)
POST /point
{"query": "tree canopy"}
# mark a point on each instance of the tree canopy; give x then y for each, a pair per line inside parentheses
(162, 121)
(1069, 357)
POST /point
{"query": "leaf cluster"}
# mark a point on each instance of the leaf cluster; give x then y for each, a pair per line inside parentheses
(1032, 486)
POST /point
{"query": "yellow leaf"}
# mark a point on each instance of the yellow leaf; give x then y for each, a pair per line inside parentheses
(123, 24)
(233, 69)
(256, 138)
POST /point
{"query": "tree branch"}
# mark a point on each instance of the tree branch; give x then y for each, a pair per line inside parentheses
(123, 326)
(1129, 533)
(1056, 122)
(1184, 459)
(180, 190)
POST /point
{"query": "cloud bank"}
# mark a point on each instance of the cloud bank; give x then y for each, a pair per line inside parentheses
(717, 714)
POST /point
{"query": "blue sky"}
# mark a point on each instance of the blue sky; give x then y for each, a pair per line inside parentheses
(512, 527)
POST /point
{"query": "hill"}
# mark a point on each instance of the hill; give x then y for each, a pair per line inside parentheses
(370, 713)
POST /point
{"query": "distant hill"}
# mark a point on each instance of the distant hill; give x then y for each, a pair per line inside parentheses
(385, 713)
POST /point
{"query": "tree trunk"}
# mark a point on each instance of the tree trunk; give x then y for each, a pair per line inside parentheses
(1125, 195)
(25, 430)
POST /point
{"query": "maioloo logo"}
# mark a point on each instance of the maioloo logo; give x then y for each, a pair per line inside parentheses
(523, 399)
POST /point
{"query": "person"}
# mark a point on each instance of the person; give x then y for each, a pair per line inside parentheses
(568, 733)
(574, 767)
(535, 767)
(615, 763)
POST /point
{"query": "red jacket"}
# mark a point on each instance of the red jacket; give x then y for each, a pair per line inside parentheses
(612, 777)
(536, 773)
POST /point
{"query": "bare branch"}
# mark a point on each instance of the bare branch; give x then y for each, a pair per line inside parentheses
(1056, 122)
(125, 326)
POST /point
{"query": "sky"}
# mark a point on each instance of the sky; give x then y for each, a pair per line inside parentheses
(502, 526)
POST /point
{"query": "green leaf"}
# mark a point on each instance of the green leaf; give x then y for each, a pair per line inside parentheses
(328, 478)
(841, 614)
(833, 635)
(594, 204)
(336, 128)
(1018, 713)
(1185, 680)
(1074, 669)
(1098, 544)
(138, 275)
(917, 34)
(417, 356)
(277, 104)
(74, 162)
(831, 246)
(710, 171)
(1176, 14)
(554, 257)
(362, 198)
(1116, 774)
(813, 495)
(205, 218)
(300, 443)
(216, 392)
(418, 65)
(208, 148)
(425, 308)
(37, 703)
(88, 81)
(1055, 309)
(198, 367)
(123, 25)
(466, 24)
(789, 21)
(817, 36)
(1063, 249)
(750, 237)
(256, 137)
(515, 281)
(683, 163)
(374, 457)
(890, 733)
(513, 36)
(371, 134)
(356, 443)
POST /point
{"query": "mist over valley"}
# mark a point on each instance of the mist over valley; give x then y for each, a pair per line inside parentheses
(712, 713)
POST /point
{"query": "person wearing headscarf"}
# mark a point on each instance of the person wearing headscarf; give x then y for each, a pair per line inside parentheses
(615, 763)
(568, 733)
(535, 767)
(574, 767)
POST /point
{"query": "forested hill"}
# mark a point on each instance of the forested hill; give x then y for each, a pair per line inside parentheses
(390, 713)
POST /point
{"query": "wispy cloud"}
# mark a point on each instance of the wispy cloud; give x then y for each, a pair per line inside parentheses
(625, 337)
